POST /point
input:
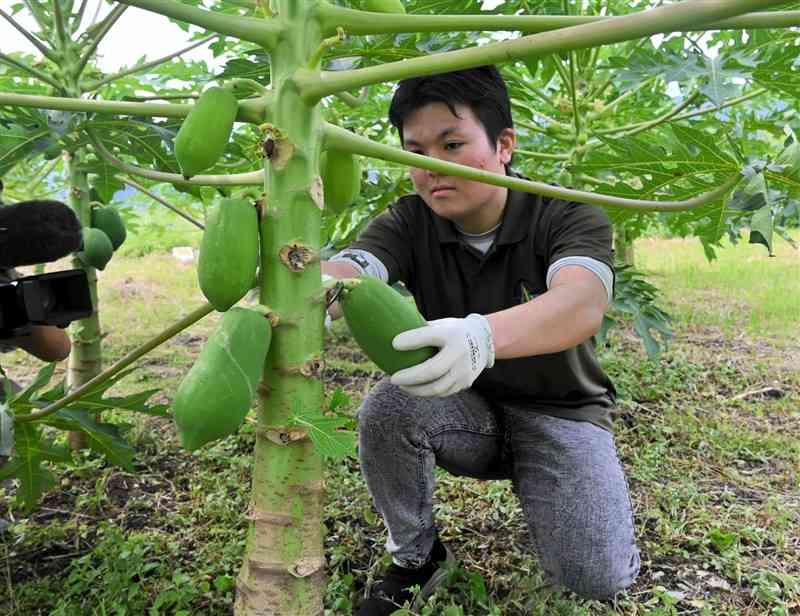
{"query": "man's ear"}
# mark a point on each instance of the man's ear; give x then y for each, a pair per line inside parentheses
(506, 142)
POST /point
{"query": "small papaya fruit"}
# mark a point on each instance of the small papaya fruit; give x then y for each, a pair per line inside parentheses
(228, 256)
(384, 6)
(341, 179)
(108, 220)
(97, 248)
(205, 132)
(375, 314)
(215, 396)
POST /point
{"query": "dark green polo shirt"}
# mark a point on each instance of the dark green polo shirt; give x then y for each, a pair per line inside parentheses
(449, 278)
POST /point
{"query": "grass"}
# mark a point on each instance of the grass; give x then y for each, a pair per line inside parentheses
(708, 433)
(743, 290)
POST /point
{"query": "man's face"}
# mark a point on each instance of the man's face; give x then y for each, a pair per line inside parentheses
(434, 131)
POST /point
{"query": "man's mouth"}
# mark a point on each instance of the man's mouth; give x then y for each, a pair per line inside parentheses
(438, 190)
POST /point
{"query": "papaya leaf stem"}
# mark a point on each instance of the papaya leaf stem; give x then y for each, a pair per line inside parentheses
(250, 110)
(314, 86)
(43, 49)
(365, 23)
(264, 32)
(77, 17)
(61, 29)
(156, 198)
(100, 34)
(634, 129)
(33, 72)
(158, 339)
(541, 155)
(253, 178)
(94, 85)
(344, 140)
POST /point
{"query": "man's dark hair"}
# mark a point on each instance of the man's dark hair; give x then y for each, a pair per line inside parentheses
(482, 89)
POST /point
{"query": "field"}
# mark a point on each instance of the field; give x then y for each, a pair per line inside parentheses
(709, 434)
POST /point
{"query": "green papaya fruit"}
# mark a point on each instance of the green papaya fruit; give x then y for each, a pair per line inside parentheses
(215, 396)
(205, 132)
(341, 179)
(97, 248)
(108, 220)
(384, 6)
(375, 314)
(228, 257)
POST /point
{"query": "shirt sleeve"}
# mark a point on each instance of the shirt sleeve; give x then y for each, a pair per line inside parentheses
(578, 230)
(598, 268)
(389, 239)
(6, 276)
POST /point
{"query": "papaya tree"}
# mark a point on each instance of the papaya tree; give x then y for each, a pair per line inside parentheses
(663, 161)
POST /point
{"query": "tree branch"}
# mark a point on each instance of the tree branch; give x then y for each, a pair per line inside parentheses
(158, 199)
(254, 178)
(341, 139)
(253, 111)
(314, 86)
(33, 72)
(100, 34)
(264, 32)
(94, 85)
(357, 22)
(172, 330)
(43, 49)
(61, 30)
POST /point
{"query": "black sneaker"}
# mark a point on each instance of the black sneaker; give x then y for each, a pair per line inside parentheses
(393, 591)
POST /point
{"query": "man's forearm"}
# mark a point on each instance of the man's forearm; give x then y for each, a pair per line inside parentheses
(557, 320)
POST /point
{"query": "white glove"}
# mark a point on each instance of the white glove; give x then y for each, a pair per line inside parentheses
(466, 349)
(327, 280)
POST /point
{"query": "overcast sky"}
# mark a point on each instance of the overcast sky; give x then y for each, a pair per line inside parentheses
(138, 33)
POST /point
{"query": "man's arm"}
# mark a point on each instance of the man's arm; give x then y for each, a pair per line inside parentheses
(46, 342)
(570, 312)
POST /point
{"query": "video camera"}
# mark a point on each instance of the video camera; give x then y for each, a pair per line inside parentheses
(33, 232)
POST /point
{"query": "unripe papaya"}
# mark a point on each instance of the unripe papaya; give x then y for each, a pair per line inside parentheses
(97, 248)
(202, 137)
(375, 314)
(108, 220)
(214, 397)
(228, 257)
(384, 6)
(341, 179)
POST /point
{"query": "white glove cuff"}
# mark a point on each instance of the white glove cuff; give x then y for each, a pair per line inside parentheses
(483, 324)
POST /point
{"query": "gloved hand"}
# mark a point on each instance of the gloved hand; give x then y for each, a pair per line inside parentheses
(466, 350)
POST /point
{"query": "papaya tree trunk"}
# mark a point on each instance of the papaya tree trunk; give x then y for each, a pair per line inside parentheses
(283, 571)
(85, 357)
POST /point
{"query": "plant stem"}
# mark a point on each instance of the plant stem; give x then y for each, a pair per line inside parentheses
(542, 155)
(158, 199)
(94, 85)
(314, 86)
(43, 49)
(264, 32)
(61, 30)
(40, 17)
(634, 129)
(77, 17)
(253, 178)
(357, 22)
(99, 35)
(172, 330)
(33, 72)
(344, 140)
(252, 110)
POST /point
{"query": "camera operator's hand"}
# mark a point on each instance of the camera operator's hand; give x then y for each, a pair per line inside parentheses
(45, 342)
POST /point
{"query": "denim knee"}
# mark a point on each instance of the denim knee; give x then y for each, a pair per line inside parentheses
(597, 576)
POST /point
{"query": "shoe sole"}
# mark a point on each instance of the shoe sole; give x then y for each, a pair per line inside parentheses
(436, 580)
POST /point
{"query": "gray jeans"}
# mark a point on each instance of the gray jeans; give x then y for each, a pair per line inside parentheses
(566, 474)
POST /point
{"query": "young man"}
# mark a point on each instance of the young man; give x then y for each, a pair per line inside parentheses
(513, 287)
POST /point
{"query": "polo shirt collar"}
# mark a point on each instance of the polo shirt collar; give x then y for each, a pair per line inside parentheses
(513, 228)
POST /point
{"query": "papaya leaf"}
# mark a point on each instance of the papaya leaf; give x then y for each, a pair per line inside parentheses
(31, 450)
(29, 393)
(761, 227)
(103, 438)
(751, 196)
(326, 433)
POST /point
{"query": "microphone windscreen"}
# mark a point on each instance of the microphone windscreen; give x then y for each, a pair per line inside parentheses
(33, 232)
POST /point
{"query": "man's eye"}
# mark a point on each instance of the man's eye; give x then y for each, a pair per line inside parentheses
(453, 145)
